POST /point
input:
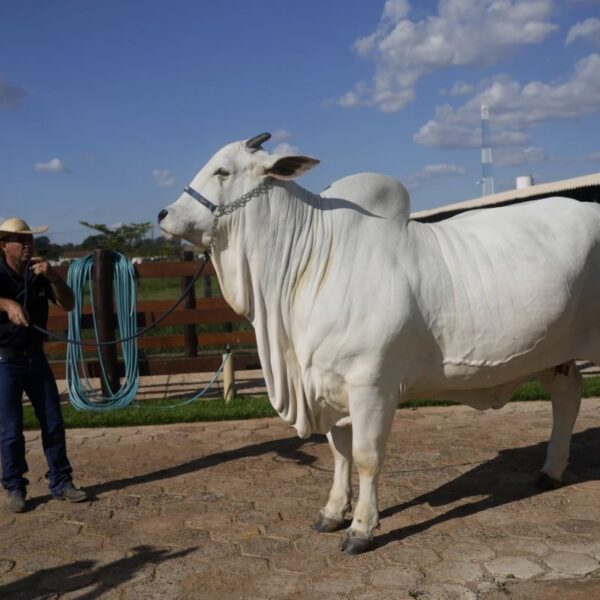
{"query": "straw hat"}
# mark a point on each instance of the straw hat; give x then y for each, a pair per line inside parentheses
(19, 226)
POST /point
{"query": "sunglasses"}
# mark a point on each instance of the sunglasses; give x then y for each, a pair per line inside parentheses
(18, 238)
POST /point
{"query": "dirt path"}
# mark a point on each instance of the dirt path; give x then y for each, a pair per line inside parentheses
(224, 511)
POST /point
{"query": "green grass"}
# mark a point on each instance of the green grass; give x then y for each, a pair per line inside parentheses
(169, 288)
(155, 412)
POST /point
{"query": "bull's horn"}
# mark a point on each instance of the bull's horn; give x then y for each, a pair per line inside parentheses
(256, 142)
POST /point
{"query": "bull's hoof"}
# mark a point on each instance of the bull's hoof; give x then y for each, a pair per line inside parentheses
(355, 545)
(324, 524)
(545, 483)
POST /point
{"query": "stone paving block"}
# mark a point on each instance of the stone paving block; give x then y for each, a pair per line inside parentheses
(338, 581)
(467, 551)
(108, 528)
(414, 553)
(275, 586)
(517, 567)
(323, 545)
(570, 563)
(183, 509)
(161, 499)
(205, 519)
(263, 546)
(516, 546)
(235, 575)
(445, 592)
(287, 530)
(585, 527)
(394, 578)
(296, 563)
(137, 512)
(453, 571)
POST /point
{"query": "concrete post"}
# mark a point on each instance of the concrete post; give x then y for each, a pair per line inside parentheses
(228, 377)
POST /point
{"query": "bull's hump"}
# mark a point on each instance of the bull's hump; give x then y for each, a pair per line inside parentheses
(377, 193)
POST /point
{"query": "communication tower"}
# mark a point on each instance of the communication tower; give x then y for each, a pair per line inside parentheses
(487, 171)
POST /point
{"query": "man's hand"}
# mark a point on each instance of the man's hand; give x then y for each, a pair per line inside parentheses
(43, 268)
(15, 312)
(63, 295)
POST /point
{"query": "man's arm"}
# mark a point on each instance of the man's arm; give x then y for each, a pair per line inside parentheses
(15, 312)
(62, 292)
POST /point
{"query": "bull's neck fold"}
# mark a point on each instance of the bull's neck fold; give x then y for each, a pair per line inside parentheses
(261, 257)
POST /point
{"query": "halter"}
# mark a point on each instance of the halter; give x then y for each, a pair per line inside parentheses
(226, 209)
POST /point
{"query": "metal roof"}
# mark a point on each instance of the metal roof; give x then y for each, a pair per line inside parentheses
(586, 188)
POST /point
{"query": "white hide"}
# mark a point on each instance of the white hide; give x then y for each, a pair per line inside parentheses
(356, 307)
(344, 290)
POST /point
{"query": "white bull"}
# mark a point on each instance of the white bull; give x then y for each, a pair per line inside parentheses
(357, 308)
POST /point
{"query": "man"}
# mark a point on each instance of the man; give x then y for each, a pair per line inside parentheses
(26, 285)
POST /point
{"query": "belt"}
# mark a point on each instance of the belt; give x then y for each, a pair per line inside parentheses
(21, 352)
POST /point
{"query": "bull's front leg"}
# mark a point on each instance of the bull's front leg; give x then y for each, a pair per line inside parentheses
(331, 517)
(372, 414)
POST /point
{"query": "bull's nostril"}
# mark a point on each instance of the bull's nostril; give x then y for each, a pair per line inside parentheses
(162, 214)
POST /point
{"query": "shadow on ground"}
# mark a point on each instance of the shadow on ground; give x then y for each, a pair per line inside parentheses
(489, 479)
(287, 448)
(86, 574)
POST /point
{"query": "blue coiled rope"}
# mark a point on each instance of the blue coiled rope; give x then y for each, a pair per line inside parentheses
(81, 393)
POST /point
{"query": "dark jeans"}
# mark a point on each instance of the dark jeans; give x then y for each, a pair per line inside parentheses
(31, 374)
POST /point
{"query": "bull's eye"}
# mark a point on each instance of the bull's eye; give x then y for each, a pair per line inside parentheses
(222, 172)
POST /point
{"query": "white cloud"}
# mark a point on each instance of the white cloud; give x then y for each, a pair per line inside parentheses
(514, 109)
(509, 157)
(52, 166)
(432, 172)
(163, 177)
(285, 148)
(462, 33)
(10, 95)
(281, 135)
(588, 30)
(461, 88)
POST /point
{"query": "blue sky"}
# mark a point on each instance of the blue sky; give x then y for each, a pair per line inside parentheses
(107, 109)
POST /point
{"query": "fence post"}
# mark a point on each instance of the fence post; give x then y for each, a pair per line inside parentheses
(190, 339)
(228, 376)
(105, 320)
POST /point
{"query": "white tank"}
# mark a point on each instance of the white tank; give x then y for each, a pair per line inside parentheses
(524, 181)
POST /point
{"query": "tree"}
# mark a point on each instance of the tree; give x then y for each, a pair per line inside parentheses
(46, 249)
(124, 238)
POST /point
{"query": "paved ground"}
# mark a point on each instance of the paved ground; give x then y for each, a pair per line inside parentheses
(224, 511)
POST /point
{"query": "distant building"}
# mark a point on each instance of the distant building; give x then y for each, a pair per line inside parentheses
(585, 189)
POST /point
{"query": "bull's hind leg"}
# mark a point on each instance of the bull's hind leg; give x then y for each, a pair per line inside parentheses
(372, 415)
(331, 517)
(564, 384)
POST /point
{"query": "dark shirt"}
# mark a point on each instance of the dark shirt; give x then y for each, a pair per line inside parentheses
(39, 291)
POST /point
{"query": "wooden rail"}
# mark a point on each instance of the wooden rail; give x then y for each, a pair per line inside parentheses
(199, 351)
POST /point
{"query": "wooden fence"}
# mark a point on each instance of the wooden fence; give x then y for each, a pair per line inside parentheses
(199, 351)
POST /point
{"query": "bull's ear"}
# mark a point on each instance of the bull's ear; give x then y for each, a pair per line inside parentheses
(289, 167)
